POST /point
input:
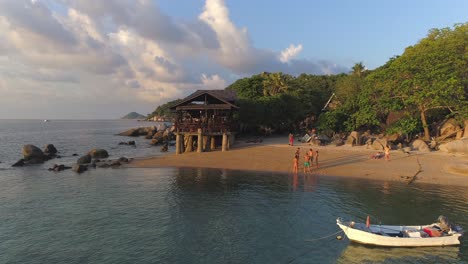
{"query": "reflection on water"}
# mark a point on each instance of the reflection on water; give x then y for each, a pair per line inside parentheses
(210, 216)
(355, 253)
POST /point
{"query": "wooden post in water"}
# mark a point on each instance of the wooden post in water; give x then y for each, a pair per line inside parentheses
(225, 142)
(177, 144)
(200, 141)
(189, 143)
(212, 143)
(205, 143)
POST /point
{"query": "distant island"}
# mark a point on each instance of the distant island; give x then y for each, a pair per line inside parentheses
(133, 115)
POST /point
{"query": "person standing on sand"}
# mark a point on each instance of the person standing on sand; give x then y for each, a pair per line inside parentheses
(295, 164)
(307, 163)
(311, 155)
(316, 158)
(387, 153)
(291, 139)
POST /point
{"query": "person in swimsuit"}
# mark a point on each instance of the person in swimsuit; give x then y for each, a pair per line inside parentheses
(311, 155)
(316, 158)
(295, 164)
(307, 163)
(387, 153)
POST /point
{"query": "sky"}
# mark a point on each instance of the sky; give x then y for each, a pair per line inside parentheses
(100, 59)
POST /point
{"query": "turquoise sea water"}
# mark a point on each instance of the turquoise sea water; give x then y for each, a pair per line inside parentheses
(170, 215)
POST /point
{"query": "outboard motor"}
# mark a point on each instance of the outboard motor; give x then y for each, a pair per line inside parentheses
(444, 224)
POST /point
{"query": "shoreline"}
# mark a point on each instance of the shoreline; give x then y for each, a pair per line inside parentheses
(275, 155)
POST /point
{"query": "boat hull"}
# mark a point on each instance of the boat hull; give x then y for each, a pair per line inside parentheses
(370, 238)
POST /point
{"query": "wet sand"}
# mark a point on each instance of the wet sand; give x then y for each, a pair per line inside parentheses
(275, 155)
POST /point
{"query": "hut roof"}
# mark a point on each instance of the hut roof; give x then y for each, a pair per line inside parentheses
(225, 99)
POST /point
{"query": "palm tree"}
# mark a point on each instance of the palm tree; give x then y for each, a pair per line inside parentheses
(358, 69)
(274, 83)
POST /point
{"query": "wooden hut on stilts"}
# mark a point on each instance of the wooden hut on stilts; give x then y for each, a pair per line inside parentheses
(205, 121)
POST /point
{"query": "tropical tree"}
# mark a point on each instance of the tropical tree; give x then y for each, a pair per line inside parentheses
(432, 74)
(274, 83)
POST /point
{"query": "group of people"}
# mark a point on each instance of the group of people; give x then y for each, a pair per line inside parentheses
(309, 159)
(381, 154)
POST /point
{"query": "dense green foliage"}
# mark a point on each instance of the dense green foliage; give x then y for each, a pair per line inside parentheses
(426, 84)
(164, 111)
(280, 101)
(429, 76)
(133, 115)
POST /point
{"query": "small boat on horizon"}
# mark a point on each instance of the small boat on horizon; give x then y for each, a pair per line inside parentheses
(46, 120)
(436, 234)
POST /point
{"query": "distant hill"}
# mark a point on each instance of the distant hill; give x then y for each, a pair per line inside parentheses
(134, 115)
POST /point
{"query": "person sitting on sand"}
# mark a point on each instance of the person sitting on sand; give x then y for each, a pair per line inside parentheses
(307, 163)
(377, 155)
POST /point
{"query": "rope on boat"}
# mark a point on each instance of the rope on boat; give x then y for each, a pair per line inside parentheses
(327, 236)
(310, 249)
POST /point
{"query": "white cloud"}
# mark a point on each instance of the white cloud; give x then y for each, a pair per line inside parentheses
(290, 53)
(124, 53)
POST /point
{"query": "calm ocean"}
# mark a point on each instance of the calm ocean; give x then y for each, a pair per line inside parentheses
(170, 215)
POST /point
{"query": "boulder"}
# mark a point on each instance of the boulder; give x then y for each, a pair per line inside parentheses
(456, 146)
(155, 141)
(19, 163)
(165, 147)
(420, 145)
(134, 132)
(449, 127)
(393, 137)
(103, 165)
(79, 168)
(353, 139)
(33, 154)
(130, 143)
(58, 168)
(123, 159)
(115, 163)
(379, 143)
(98, 153)
(50, 149)
(86, 159)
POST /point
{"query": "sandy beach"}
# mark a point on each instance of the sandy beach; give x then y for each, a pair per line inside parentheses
(275, 155)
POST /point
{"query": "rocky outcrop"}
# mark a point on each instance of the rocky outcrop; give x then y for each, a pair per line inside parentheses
(58, 168)
(79, 168)
(98, 154)
(86, 159)
(420, 145)
(33, 154)
(379, 144)
(50, 149)
(353, 139)
(19, 163)
(456, 146)
(134, 132)
(450, 127)
(130, 143)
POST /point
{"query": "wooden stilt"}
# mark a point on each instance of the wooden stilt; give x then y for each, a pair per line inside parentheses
(178, 145)
(212, 143)
(205, 143)
(189, 143)
(200, 141)
(224, 146)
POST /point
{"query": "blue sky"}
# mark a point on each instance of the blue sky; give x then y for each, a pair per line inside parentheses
(341, 31)
(83, 59)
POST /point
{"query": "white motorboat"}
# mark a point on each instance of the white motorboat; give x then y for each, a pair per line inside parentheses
(436, 234)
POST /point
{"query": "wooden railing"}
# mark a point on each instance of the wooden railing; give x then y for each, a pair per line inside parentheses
(206, 128)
